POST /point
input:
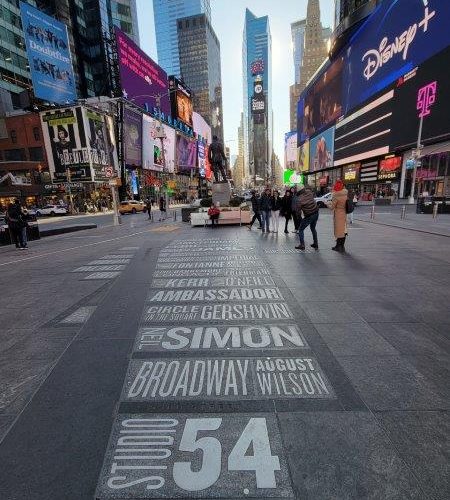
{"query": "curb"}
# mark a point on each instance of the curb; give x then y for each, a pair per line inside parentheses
(65, 230)
(405, 228)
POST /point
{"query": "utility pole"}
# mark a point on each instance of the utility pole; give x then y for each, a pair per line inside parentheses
(161, 135)
(416, 155)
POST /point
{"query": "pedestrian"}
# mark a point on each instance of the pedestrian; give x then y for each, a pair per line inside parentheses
(162, 208)
(214, 213)
(256, 207)
(276, 207)
(338, 204)
(266, 209)
(353, 198)
(295, 214)
(148, 206)
(286, 208)
(17, 225)
(306, 204)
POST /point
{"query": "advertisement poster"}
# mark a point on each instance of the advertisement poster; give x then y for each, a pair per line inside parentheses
(132, 137)
(149, 144)
(208, 168)
(169, 148)
(102, 152)
(303, 157)
(141, 78)
(49, 56)
(181, 101)
(186, 153)
(390, 168)
(66, 145)
(290, 147)
(201, 127)
(321, 150)
(351, 173)
(395, 39)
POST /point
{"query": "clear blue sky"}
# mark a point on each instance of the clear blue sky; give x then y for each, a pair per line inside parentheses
(228, 22)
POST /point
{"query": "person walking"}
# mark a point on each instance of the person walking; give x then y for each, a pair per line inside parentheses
(275, 215)
(148, 206)
(338, 204)
(17, 225)
(306, 204)
(286, 208)
(295, 214)
(256, 207)
(266, 208)
(162, 208)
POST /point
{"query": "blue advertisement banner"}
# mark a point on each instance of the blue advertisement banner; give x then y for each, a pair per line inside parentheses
(396, 38)
(49, 56)
(321, 150)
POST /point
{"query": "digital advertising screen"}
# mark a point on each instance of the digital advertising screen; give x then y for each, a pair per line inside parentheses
(321, 150)
(290, 147)
(303, 157)
(141, 78)
(181, 101)
(422, 93)
(132, 137)
(399, 36)
(186, 153)
(48, 52)
(389, 169)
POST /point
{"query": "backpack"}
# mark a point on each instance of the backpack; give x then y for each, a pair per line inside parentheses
(349, 206)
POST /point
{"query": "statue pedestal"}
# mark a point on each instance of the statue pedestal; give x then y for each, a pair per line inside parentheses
(221, 192)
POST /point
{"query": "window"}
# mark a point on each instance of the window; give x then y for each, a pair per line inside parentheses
(15, 155)
(13, 135)
(36, 154)
(36, 134)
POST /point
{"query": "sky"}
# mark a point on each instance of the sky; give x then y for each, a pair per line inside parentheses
(228, 23)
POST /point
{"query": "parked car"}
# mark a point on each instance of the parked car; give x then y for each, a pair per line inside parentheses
(323, 200)
(131, 207)
(51, 210)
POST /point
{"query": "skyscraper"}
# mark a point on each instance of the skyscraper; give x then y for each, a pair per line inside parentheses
(298, 43)
(124, 16)
(257, 76)
(166, 13)
(315, 50)
(200, 68)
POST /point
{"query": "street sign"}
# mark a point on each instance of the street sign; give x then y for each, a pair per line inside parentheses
(115, 182)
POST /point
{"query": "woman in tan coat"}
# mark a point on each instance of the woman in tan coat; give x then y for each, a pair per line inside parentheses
(339, 197)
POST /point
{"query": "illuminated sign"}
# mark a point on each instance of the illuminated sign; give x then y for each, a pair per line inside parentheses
(351, 172)
(390, 168)
(257, 67)
(426, 97)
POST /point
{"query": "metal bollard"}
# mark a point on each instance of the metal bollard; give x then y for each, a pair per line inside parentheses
(175, 215)
(403, 212)
(372, 213)
(435, 210)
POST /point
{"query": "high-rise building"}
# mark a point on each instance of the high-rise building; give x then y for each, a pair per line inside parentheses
(298, 43)
(14, 68)
(166, 14)
(238, 167)
(257, 74)
(315, 50)
(124, 16)
(200, 68)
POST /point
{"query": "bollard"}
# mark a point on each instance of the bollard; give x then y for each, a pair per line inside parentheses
(403, 212)
(175, 215)
(435, 210)
(372, 213)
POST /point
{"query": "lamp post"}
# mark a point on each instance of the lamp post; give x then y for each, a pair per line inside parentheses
(416, 156)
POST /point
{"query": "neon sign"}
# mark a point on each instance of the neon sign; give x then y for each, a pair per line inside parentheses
(426, 97)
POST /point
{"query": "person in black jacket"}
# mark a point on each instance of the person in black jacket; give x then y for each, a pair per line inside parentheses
(256, 207)
(286, 208)
(266, 209)
(17, 224)
(307, 205)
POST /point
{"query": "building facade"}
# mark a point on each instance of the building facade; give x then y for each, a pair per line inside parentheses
(383, 128)
(298, 43)
(200, 68)
(257, 75)
(166, 14)
(124, 16)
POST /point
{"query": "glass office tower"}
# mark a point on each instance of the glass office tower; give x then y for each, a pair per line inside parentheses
(257, 64)
(124, 16)
(166, 14)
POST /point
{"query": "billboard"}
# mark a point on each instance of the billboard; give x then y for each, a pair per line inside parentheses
(396, 38)
(181, 101)
(323, 102)
(350, 173)
(201, 127)
(186, 153)
(389, 169)
(303, 157)
(132, 137)
(142, 80)
(422, 93)
(81, 143)
(290, 147)
(322, 150)
(49, 56)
